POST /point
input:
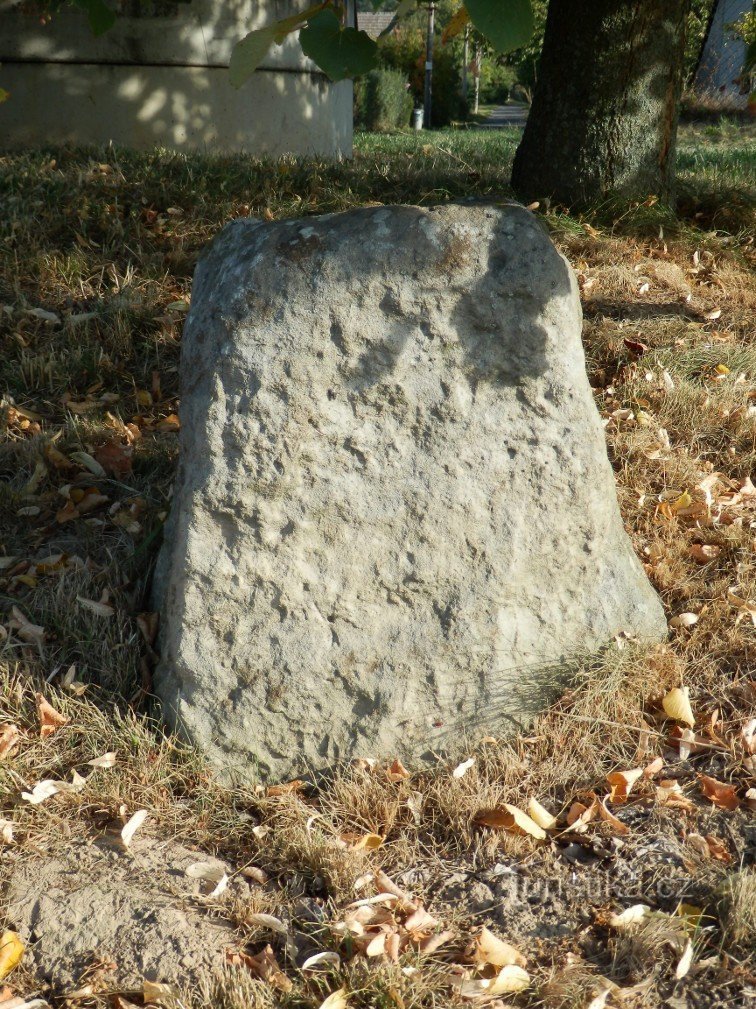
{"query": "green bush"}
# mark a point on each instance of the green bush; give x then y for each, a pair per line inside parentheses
(382, 101)
(495, 82)
(404, 50)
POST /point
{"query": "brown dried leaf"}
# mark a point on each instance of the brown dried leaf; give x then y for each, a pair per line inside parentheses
(621, 783)
(9, 739)
(115, 458)
(397, 771)
(50, 720)
(508, 817)
(723, 796)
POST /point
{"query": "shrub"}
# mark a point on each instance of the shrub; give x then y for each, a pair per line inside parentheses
(404, 50)
(495, 82)
(382, 100)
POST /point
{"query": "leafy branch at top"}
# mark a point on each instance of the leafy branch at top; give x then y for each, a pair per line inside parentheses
(338, 49)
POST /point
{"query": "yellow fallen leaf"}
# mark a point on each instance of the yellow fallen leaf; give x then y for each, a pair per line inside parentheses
(11, 952)
(159, 993)
(542, 816)
(630, 916)
(509, 979)
(508, 817)
(336, 1000)
(368, 842)
(609, 817)
(489, 948)
(676, 704)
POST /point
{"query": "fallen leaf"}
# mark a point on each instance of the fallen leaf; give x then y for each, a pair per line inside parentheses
(368, 842)
(289, 787)
(542, 816)
(88, 462)
(579, 815)
(621, 783)
(609, 817)
(461, 769)
(685, 961)
(11, 952)
(41, 791)
(703, 553)
(750, 798)
(336, 1000)
(6, 831)
(397, 771)
(96, 607)
(747, 733)
(210, 872)
(718, 849)
(722, 795)
(256, 874)
(264, 965)
(10, 738)
(268, 921)
(50, 720)
(684, 620)
(676, 705)
(105, 761)
(652, 769)
(508, 817)
(327, 957)
(132, 825)
(489, 948)
(26, 630)
(159, 993)
(115, 458)
(670, 793)
(630, 916)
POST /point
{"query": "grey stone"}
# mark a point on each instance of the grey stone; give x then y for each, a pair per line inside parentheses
(394, 516)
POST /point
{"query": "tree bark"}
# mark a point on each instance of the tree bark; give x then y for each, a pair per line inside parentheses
(603, 121)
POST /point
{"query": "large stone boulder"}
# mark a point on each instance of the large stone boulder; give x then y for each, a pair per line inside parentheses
(394, 516)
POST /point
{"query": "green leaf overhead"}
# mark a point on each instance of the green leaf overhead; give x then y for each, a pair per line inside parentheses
(101, 18)
(339, 52)
(507, 24)
(249, 54)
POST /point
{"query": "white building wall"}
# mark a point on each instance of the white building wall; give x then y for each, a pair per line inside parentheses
(164, 81)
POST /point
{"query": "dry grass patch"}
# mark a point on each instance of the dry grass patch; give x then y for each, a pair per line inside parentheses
(97, 251)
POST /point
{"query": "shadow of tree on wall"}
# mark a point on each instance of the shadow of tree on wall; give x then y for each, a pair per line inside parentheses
(164, 80)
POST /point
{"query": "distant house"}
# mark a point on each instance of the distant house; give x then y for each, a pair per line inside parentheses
(720, 68)
(374, 24)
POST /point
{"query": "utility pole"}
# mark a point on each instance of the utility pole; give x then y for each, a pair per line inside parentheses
(476, 76)
(428, 97)
(465, 60)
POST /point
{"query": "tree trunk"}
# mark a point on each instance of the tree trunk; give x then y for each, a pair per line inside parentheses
(604, 116)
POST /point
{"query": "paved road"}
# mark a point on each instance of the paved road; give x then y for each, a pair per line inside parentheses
(506, 115)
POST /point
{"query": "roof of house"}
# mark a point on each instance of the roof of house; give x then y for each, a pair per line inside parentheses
(374, 24)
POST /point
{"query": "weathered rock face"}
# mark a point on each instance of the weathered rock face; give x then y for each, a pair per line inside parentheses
(394, 513)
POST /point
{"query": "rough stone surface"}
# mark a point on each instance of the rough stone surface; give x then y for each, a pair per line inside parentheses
(394, 514)
(127, 916)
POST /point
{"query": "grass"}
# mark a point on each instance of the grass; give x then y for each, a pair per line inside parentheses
(97, 249)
